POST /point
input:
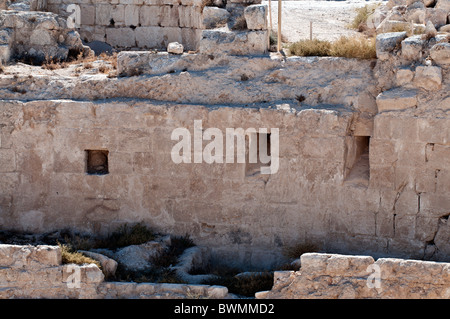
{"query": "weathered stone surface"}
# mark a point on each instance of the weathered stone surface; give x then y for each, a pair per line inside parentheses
(412, 47)
(214, 17)
(387, 42)
(357, 277)
(175, 48)
(234, 43)
(440, 53)
(443, 5)
(404, 76)
(38, 36)
(396, 99)
(428, 77)
(256, 17)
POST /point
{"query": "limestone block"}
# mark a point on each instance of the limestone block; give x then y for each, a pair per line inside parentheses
(314, 262)
(256, 17)
(412, 48)
(416, 15)
(5, 53)
(149, 37)
(190, 17)
(171, 34)
(118, 15)
(437, 16)
(48, 255)
(443, 5)
(404, 77)
(103, 14)
(396, 99)
(169, 16)
(234, 43)
(445, 28)
(121, 37)
(175, 48)
(150, 15)
(190, 38)
(42, 37)
(7, 160)
(387, 42)
(87, 13)
(2, 4)
(214, 17)
(428, 77)
(440, 53)
(394, 3)
(131, 15)
(217, 292)
(236, 21)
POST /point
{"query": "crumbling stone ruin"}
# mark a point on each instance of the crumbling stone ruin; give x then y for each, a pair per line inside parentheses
(363, 145)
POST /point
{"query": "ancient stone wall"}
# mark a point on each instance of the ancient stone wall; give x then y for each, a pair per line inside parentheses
(37, 272)
(153, 24)
(331, 276)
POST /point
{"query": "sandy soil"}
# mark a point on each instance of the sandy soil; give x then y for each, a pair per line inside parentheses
(329, 18)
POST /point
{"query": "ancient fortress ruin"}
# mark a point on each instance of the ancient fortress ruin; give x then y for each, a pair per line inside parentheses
(363, 145)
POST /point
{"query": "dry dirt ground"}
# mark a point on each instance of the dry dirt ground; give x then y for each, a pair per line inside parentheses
(330, 19)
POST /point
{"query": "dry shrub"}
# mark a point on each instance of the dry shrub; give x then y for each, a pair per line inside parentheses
(362, 14)
(69, 256)
(310, 48)
(103, 68)
(360, 48)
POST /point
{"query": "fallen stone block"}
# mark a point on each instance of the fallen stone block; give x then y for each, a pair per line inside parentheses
(443, 5)
(440, 53)
(175, 48)
(214, 17)
(256, 17)
(437, 16)
(412, 47)
(428, 77)
(396, 99)
(386, 43)
(404, 77)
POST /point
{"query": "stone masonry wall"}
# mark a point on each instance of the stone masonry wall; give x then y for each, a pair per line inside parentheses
(331, 276)
(227, 207)
(37, 272)
(153, 24)
(138, 23)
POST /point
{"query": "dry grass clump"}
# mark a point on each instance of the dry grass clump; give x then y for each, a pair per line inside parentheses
(362, 15)
(310, 48)
(360, 48)
(69, 256)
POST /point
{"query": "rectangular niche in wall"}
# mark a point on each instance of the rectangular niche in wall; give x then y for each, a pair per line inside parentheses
(357, 167)
(97, 162)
